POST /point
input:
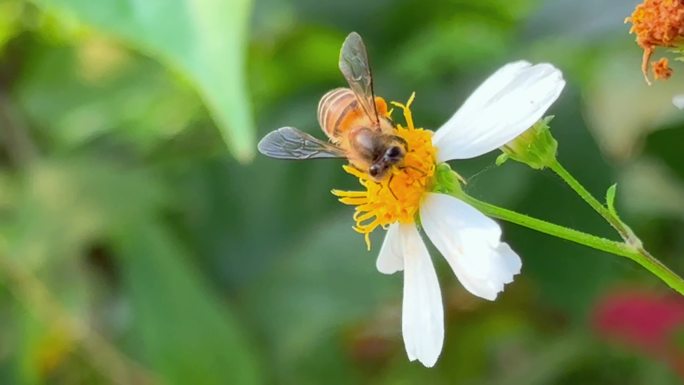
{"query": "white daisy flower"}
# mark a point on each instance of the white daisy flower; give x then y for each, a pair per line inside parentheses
(508, 103)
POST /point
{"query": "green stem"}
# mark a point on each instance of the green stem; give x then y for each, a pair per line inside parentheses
(625, 232)
(632, 241)
(638, 255)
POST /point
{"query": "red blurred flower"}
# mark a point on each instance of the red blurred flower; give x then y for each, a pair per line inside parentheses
(644, 320)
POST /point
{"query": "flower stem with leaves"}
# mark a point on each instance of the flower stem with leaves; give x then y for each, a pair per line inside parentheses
(638, 255)
(608, 212)
(537, 148)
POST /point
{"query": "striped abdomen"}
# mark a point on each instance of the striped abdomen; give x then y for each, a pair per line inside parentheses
(338, 111)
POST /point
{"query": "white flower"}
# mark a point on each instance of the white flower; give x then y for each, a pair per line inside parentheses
(678, 101)
(503, 107)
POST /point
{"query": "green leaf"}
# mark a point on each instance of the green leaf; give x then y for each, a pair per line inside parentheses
(77, 101)
(501, 159)
(10, 12)
(183, 331)
(205, 40)
(610, 199)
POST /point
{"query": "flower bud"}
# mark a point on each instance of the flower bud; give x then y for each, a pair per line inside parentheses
(446, 180)
(535, 147)
(661, 69)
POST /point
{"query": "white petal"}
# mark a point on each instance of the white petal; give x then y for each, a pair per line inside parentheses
(504, 106)
(455, 226)
(471, 244)
(422, 312)
(507, 264)
(678, 101)
(390, 259)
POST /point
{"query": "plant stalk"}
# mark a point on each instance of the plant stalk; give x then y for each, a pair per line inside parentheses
(638, 255)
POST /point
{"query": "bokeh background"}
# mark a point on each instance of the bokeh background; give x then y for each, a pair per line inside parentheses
(143, 241)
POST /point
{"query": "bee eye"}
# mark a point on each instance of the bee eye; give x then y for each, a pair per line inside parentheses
(393, 152)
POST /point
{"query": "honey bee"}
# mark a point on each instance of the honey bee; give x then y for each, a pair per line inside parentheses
(353, 118)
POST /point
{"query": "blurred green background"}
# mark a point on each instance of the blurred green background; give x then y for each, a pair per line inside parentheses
(143, 241)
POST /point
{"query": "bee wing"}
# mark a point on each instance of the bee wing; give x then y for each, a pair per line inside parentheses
(355, 68)
(291, 143)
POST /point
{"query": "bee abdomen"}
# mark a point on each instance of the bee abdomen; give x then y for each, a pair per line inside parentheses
(334, 109)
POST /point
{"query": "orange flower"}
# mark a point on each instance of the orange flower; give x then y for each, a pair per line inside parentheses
(661, 69)
(657, 23)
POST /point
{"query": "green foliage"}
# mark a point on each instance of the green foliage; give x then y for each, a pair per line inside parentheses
(173, 308)
(333, 292)
(116, 96)
(447, 181)
(118, 195)
(610, 198)
(536, 147)
(205, 41)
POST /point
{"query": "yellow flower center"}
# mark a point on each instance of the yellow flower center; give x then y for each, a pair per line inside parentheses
(397, 197)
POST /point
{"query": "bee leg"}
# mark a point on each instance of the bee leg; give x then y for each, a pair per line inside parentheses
(389, 186)
(413, 168)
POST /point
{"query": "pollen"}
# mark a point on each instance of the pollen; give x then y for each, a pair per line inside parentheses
(397, 197)
(657, 23)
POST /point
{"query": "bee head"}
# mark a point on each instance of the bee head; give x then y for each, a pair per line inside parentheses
(377, 170)
(393, 154)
